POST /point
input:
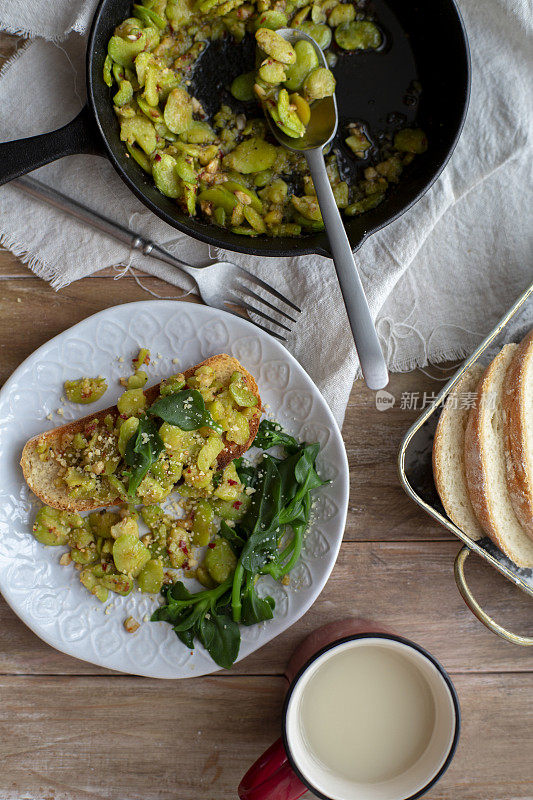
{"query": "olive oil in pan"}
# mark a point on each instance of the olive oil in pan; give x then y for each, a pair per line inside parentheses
(367, 714)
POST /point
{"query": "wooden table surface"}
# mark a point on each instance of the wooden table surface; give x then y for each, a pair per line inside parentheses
(70, 730)
(73, 731)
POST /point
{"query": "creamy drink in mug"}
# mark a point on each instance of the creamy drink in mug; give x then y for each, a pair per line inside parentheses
(368, 717)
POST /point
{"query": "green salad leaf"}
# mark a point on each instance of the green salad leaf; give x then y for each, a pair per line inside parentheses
(142, 450)
(185, 409)
(204, 615)
(235, 541)
(245, 471)
(255, 609)
(221, 637)
(271, 434)
(268, 540)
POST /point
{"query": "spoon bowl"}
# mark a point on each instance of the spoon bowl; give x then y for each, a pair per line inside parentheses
(323, 124)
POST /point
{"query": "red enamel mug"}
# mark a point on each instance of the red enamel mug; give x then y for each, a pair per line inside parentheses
(289, 768)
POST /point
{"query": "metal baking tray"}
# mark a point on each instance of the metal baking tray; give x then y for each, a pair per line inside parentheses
(416, 473)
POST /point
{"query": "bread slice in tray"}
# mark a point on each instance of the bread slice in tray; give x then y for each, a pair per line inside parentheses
(518, 443)
(41, 476)
(485, 464)
(448, 454)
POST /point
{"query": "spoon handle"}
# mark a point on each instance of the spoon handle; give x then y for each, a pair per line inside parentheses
(366, 339)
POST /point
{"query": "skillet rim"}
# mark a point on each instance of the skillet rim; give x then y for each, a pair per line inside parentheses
(315, 244)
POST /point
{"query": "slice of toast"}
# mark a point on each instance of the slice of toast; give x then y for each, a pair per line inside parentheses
(448, 454)
(41, 476)
(485, 464)
(518, 409)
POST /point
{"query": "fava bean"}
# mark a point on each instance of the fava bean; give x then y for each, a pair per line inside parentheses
(254, 219)
(307, 206)
(230, 487)
(320, 33)
(150, 578)
(153, 491)
(289, 118)
(411, 140)
(318, 84)
(363, 205)
(131, 402)
(361, 35)
(344, 12)
(272, 71)
(306, 60)
(233, 509)
(124, 94)
(101, 522)
(128, 525)
(130, 555)
(50, 527)
(275, 45)
(209, 452)
(203, 526)
(149, 17)
(178, 111)
(220, 561)
(138, 129)
(240, 392)
(140, 157)
(172, 384)
(124, 51)
(242, 87)
(272, 20)
(198, 133)
(203, 577)
(108, 71)
(85, 390)
(138, 380)
(166, 176)
(120, 584)
(127, 429)
(91, 582)
(238, 429)
(252, 155)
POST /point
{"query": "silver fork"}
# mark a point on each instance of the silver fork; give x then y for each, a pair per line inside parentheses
(222, 284)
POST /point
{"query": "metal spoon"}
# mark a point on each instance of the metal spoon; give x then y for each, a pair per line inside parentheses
(320, 131)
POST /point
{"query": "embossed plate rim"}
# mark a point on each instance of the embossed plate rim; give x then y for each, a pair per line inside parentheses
(313, 568)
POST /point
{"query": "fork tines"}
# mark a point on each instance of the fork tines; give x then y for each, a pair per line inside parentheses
(242, 288)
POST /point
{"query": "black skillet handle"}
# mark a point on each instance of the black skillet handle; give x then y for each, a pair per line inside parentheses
(24, 155)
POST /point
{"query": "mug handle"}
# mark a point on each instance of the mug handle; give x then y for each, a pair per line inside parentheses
(272, 777)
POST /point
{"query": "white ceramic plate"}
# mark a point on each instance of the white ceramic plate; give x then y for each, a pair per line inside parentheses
(48, 597)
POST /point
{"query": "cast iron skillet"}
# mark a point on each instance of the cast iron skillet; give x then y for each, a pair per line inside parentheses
(425, 42)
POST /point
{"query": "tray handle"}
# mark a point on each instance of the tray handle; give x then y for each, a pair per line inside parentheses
(474, 606)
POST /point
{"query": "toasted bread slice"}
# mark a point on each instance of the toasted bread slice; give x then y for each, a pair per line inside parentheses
(518, 410)
(485, 464)
(41, 476)
(448, 454)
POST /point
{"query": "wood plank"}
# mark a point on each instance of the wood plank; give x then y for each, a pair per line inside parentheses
(379, 507)
(406, 587)
(95, 738)
(12, 267)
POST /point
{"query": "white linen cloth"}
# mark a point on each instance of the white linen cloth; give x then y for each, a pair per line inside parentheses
(437, 279)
